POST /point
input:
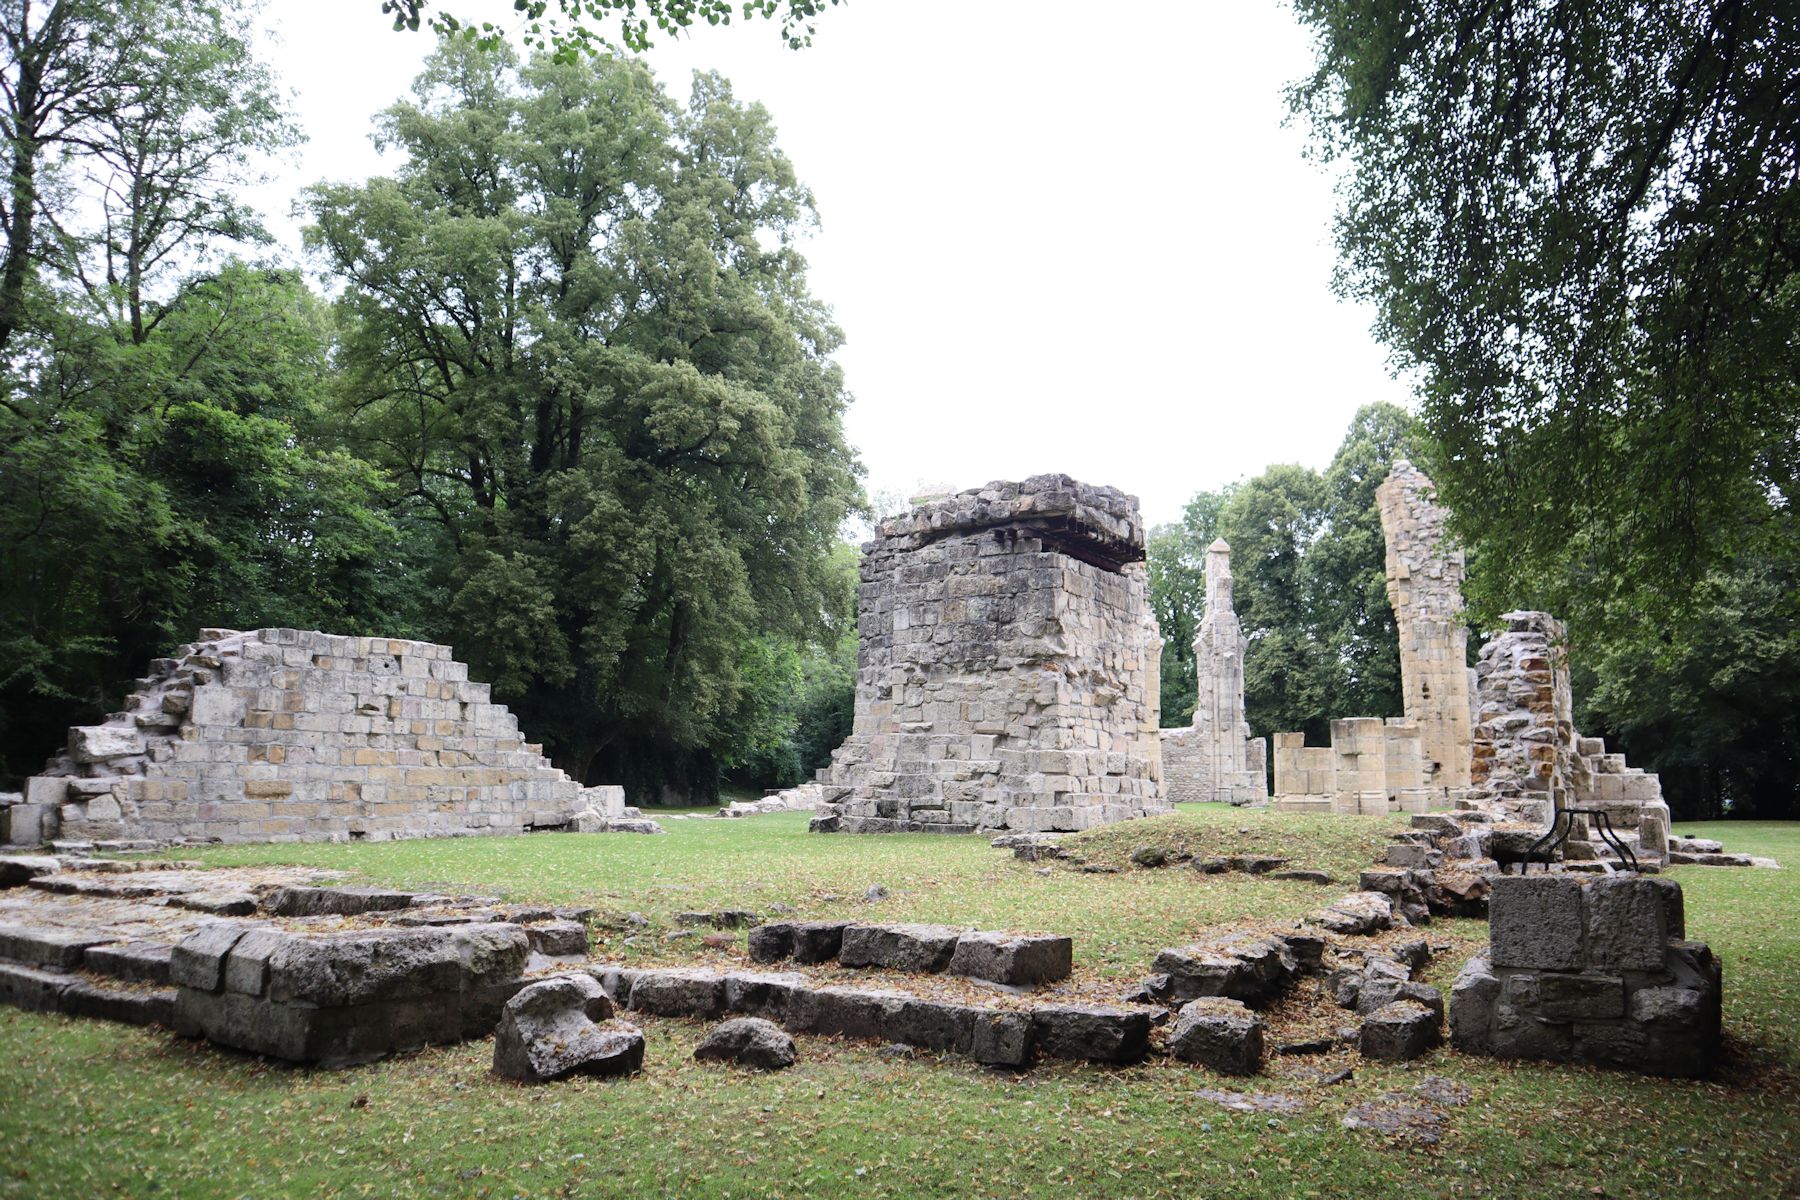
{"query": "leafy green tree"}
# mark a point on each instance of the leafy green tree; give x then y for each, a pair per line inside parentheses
(569, 28)
(1715, 708)
(1576, 220)
(577, 333)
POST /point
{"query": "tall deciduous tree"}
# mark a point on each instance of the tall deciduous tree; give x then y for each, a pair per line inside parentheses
(579, 336)
(1580, 224)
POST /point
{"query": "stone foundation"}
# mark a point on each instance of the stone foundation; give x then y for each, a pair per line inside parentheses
(1007, 672)
(289, 735)
(1590, 970)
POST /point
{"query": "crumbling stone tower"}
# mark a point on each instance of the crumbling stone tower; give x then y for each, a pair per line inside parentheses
(1424, 584)
(1007, 676)
(1216, 759)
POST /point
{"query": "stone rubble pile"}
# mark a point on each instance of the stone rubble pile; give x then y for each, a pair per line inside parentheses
(805, 798)
(291, 735)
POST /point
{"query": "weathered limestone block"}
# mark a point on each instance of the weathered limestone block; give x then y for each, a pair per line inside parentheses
(1007, 668)
(1221, 1035)
(1095, 1032)
(920, 948)
(1252, 970)
(1401, 1030)
(1012, 958)
(1591, 973)
(553, 1029)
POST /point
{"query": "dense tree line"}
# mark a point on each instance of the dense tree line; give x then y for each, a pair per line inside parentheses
(572, 411)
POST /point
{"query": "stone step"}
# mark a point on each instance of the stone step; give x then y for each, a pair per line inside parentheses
(47, 945)
(36, 989)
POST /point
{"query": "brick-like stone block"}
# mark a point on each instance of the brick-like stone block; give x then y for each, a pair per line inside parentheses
(1627, 922)
(1019, 959)
(905, 947)
(1580, 997)
(198, 960)
(1095, 1032)
(1536, 921)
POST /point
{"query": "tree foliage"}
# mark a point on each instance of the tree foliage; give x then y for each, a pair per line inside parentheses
(1578, 223)
(569, 29)
(577, 336)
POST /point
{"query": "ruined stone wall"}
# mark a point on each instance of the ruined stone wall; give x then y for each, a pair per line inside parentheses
(1372, 766)
(1529, 759)
(288, 735)
(1424, 585)
(1007, 673)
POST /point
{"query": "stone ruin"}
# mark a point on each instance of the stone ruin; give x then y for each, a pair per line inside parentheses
(1424, 585)
(1529, 761)
(1215, 758)
(1373, 766)
(288, 735)
(1007, 676)
(1496, 742)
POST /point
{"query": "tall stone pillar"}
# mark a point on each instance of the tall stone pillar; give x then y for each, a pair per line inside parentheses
(1424, 584)
(1216, 759)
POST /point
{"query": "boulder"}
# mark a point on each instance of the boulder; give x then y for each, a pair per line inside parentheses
(1013, 958)
(749, 1042)
(552, 1029)
(1399, 1031)
(1253, 970)
(1221, 1035)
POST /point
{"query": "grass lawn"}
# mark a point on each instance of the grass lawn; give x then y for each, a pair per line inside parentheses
(90, 1109)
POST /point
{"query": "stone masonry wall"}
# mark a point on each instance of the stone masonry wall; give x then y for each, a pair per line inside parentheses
(1424, 585)
(1371, 767)
(288, 735)
(1529, 759)
(1007, 671)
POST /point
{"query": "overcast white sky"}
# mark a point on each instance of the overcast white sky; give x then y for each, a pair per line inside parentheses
(1058, 237)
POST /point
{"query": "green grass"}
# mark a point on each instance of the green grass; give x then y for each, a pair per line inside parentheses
(91, 1109)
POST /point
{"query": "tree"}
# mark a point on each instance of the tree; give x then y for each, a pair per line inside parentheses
(1715, 710)
(577, 335)
(562, 26)
(1577, 222)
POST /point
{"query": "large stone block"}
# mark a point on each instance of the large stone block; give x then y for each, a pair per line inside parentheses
(1095, 1032)
(1627, 922)
(1221, 1035)
(1536, 921)
(1019, 959)
(918, 948)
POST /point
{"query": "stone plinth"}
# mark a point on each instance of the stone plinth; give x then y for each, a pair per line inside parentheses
(1590, 970)
(291, 735)
(1424, 585)
(1007, 667)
